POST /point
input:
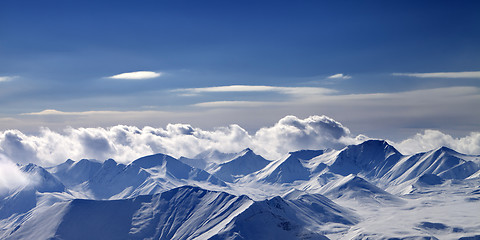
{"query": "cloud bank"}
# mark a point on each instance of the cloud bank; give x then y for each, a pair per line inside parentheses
(139, 75)
(431, 139)
(126, 143)
(400, 114)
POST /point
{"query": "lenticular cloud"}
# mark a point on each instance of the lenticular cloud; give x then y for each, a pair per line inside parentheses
(126, 143)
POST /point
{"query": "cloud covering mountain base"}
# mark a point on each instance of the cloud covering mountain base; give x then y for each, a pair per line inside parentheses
(124, 143)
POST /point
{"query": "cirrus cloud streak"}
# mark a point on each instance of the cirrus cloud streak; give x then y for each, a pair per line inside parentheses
(257, 88)
(472, 74)
(339, 76)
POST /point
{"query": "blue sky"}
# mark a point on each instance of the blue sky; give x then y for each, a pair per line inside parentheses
(382, 68)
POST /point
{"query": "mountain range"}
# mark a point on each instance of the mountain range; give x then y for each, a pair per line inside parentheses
(364, 191)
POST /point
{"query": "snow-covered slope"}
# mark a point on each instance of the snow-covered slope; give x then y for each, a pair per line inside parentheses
(351, 193)
(181, 213)
(318, 209)
(44, 181)
(306, 154)
(72, 173)
(286, 170)
(358, 189)
(443, 162)
(208, 159)
(245, 163)
(146, 175)
(20, 200)
(168, 167)
(269, 219)
(372, 158)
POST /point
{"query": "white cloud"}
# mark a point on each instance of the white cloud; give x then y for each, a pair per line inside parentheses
(339, 76)
(7, 78)
(126, 143)
(473, 74)
(400, 114)
(292, 133)
(54, 112)
(219, 104)
(137, 75)
(432, 139)
(11, 176)
(257, 88)
(232, 88)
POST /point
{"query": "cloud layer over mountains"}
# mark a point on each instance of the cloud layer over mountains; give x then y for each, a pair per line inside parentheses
(126, 143)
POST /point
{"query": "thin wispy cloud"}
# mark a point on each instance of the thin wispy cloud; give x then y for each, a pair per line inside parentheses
(53, 112)
(370, 112)
(7, 78)
(472, 74)
(139, 75)
(219, 104)
(339, 76)
(256, 88)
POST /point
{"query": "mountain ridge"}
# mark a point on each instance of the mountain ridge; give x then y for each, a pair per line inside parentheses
(321, 193)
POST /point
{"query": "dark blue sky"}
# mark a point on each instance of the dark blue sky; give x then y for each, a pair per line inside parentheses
(59, 55)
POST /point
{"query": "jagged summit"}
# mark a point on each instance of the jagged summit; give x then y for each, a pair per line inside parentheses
(42, 180)
(181, 213)
(374, 145)
(286, 170)
(372, 158)
(152, 160)
(214, 155)
(161, 197)
(306, 154)
(245, 163)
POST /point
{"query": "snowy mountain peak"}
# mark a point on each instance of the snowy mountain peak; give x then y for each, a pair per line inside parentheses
(214, 155)
(160, 197)
(109, 162)
(246, 150)
(450, 152)
(152, 160)
(371, 158)
(446, 149)
(306, 154)
(286, 170)
(42, 180)
(69, 162)
(245, 163)
(375, 145)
